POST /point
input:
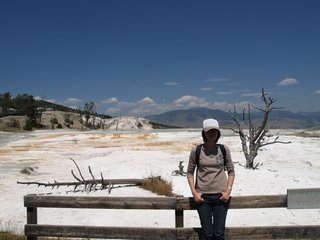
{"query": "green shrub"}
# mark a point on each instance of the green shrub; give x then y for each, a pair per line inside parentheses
(14, 123)
(28, 126)
(67, 120)
(54, 120)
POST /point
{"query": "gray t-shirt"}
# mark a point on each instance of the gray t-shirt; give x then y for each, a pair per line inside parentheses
(211, 177)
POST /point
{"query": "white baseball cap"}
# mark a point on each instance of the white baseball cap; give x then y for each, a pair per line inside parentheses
(209, 124)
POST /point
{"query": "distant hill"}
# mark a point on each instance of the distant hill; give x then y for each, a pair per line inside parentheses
(193, 118)
(58, 116)
(57, 107)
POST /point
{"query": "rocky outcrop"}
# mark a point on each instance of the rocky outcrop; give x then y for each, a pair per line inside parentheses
(59, 119)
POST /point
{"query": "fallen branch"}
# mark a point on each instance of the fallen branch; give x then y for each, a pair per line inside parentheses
(89, 184)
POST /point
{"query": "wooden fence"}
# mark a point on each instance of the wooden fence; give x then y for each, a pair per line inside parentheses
(177, 204)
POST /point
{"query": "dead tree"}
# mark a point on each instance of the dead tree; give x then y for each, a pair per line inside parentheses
(180, 172)
(253, 138)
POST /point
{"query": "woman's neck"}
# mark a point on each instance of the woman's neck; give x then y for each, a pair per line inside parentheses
(210, 144)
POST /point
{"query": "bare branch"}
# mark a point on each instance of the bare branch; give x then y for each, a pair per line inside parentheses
(75, 176)
(91, 172)
(275, 141)
(77, 168)
(102, 181)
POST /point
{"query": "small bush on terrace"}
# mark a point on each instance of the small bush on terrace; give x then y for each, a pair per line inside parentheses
(158, 185)
(14, 123)
(28, 126)
(11, 236)
(54, 120)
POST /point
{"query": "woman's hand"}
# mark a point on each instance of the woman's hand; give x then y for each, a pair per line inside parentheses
(225, 196)
(197, 197)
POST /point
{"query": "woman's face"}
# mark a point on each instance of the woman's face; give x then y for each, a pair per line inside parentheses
(212, 135)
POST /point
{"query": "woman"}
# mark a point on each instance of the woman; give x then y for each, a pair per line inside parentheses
(213, 186)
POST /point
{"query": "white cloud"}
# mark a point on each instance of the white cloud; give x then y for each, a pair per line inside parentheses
(206, 89)
(190, 102)
(171, 83)
(146, 100)
(125, 104)
(112, 110)
(317, 92)
(217, 80)
(147, 106)
(251, 94)
(225, 106)
(72, 100)
(223, 93)
(110, 100)
(187, 99)
(240, 106)
(287, 82)
(141, 111)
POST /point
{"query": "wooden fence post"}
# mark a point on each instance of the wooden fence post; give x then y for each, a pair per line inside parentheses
(32, 218)
(178, 212)
(179, 218)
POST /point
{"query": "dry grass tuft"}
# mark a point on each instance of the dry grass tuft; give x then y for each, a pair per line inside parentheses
(116, 136)
(147, 136)
(158, 185)
(11, 236)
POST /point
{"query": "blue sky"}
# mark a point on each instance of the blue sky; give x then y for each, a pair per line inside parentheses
(140, 57)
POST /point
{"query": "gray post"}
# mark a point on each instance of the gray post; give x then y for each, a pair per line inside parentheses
(32, 218)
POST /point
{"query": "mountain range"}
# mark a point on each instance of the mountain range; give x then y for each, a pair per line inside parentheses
(192, 118)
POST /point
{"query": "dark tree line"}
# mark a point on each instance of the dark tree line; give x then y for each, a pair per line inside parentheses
(23, 104)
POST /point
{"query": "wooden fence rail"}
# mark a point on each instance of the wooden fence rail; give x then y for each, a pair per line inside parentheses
(178, 204)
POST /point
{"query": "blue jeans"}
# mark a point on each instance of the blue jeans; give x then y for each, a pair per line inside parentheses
(212, 213)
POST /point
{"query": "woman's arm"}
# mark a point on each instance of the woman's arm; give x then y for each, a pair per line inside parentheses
(226, 194)
(196, 195)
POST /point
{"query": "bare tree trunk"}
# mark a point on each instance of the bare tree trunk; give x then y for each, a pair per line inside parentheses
(254, 138)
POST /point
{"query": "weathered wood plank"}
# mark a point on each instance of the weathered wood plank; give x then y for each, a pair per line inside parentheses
(100, 232)
(263, 201)
(236, 202)
(183, 203)
(100, 202)
(232, 233)
(188, 233)
(269, 232)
